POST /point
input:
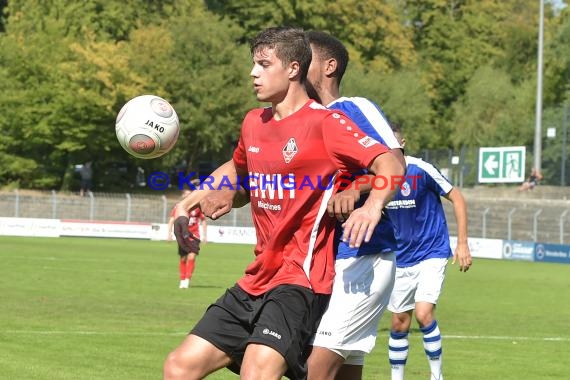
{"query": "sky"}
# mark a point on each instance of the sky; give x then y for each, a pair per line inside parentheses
(558, 3)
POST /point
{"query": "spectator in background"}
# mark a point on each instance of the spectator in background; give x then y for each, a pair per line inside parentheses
(86, 173)
(188, 241)
(533, 179)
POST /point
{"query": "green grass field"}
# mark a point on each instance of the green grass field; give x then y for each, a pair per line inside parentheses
(73, 308)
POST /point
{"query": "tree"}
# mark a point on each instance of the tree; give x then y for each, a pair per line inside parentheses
(211, 92)
(403, 98)
(494, 112)
(65, 83)
(455, 38)
(557, 59)
(3, 4)
(372, 29)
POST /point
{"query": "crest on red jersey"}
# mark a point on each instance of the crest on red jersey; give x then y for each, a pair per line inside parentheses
(290, 150)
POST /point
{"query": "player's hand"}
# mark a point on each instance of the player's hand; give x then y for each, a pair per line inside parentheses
(360, 225)
(341, 205)
(462, 254)
(186, 240)
(217, 204)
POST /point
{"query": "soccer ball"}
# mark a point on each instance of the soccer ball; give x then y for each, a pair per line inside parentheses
(147, 126)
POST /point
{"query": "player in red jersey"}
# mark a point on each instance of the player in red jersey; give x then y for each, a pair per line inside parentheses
(188, 244)
(287, 157)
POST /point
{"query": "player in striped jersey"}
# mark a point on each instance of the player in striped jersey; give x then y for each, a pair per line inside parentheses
(421, 257)
(364, 276)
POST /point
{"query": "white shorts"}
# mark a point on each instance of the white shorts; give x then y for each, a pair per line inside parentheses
(419, 283)
(361, 290)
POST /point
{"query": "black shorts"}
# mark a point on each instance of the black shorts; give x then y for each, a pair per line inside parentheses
(194, 248)
(86, 184)
(285, 318)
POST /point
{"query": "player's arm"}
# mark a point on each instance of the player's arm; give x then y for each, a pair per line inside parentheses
(227, 172)
(222, 201)
(361, 223)
(341, 205)
(462, 252)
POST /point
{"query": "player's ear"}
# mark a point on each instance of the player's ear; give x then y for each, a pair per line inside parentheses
(294, 69)
(330, 66)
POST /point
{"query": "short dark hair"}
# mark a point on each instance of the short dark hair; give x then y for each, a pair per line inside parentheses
(290, 44)
(396, 127)
(329, 46)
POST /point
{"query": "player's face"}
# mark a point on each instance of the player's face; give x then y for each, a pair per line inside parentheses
(270, 76)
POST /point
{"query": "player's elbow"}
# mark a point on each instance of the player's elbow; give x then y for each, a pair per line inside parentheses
(390, 164)
(399, 155)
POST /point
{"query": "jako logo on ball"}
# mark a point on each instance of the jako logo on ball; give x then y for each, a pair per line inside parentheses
(147, 126)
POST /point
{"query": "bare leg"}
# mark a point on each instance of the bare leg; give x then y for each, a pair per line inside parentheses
(323, 364)
(195, 358)
(261, 362)
(349, 372)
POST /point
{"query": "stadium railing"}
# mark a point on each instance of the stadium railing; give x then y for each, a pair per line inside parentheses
(492, 213)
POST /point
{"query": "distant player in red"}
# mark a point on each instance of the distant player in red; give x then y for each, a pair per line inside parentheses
(288, 156)
(188, 244)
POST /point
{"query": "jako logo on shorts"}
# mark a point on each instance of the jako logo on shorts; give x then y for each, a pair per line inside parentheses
(272, 333)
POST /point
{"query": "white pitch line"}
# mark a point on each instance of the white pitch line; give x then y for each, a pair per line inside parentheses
(142, 333)
(61, 332)
(513, 338)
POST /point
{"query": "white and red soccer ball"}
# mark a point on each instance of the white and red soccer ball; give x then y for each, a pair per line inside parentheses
(147, 126)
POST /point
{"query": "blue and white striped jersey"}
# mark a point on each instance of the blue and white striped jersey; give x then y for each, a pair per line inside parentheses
(369, 117)
(418, 215)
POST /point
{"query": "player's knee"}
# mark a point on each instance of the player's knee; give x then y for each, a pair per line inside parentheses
(257, 371)
(173, 368)
(262, 364)
(424, 317)
(401, 322)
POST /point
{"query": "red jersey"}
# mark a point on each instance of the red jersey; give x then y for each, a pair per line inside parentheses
(195, 217)
(291, 165)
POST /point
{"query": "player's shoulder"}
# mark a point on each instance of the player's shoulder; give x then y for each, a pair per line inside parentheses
(416, 164)
(354, 102)
(317, 109)
(258, 114)
(254, 119)
(416, 161)
(322, 113)
(419, 163)
(258, 111)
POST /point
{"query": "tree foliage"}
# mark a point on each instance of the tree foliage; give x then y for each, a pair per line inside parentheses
(480, 118)
(454, 73)
(372, 29)
(66, 80)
